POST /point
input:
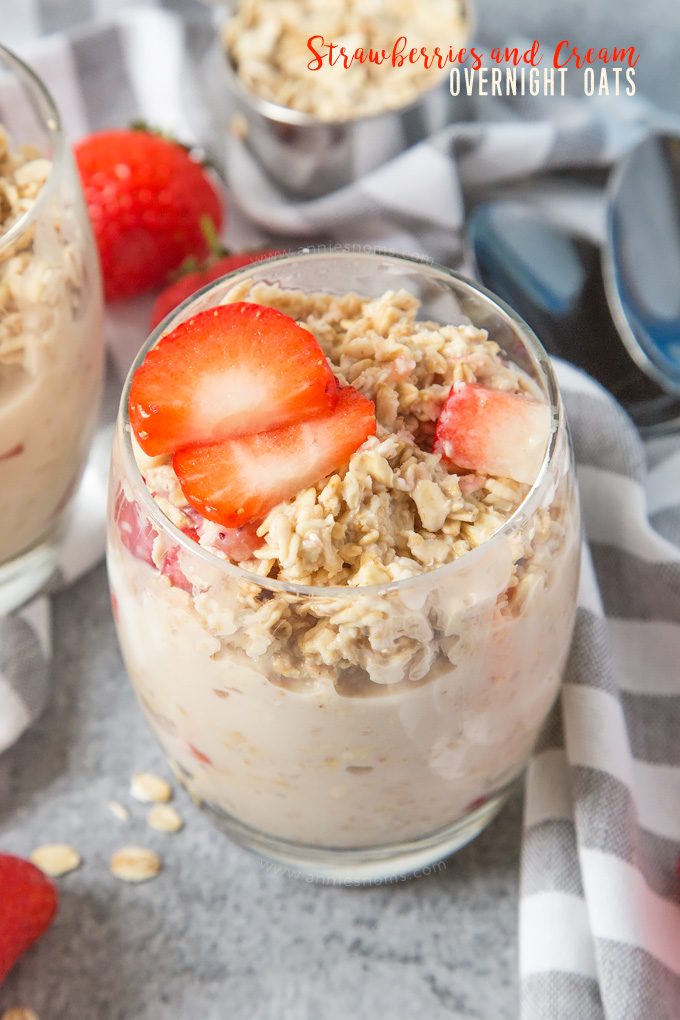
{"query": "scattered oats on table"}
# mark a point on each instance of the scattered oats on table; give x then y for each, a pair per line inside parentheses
(164, 818)
(119, 810)
(150, 789)
(56, 859)
(135, 864)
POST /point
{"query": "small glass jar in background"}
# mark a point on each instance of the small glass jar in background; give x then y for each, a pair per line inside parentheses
(51, 331)
(314, 131)
(396, 757)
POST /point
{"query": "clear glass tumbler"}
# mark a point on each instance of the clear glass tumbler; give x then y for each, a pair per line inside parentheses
(51, 331)
(324, 769)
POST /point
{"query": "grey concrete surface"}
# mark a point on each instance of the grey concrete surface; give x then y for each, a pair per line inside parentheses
(219, 935)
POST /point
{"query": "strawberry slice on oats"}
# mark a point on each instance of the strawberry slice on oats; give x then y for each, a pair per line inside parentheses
(228, 371)
(493, 432)
(242, 479)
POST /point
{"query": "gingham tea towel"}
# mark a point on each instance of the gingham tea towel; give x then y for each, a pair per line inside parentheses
(600, 893)
(600, 903)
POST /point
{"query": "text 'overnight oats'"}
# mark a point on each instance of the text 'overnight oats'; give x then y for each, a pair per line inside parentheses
(368, 657)
(50, 345)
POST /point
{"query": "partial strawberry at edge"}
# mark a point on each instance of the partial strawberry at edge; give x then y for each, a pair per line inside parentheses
(242, 479)
(28, 903)
(493, 432)
(149, 202)
(188, 284)
(232, 370)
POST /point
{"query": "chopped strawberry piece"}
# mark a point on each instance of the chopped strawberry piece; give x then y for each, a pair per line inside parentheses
(240, 480)
(171, 568)
(191, 533)
(476, 803)
(28, 902)
(199, 755)
(138, 535)
(136, 532)
(238, 543)
(229, 371)
(493, 432)
(14, 452)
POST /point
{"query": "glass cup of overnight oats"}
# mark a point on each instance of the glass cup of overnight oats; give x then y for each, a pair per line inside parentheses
(51, 332)
(353, 678)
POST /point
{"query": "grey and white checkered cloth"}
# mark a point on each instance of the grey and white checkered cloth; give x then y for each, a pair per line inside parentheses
(600, 889)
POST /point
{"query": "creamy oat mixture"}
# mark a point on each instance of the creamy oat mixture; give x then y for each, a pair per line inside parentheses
(396, 511)
(363, 716)
(267, 43)
(50, 351)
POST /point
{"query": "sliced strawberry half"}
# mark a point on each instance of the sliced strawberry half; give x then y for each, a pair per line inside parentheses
(493, 432)
(242, 479)
(228, 371)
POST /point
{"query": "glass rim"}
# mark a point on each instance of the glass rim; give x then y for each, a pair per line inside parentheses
(54, 125)
(525, 509)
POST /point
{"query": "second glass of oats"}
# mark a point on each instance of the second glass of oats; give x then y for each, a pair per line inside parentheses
(353, 685)
(51, 332)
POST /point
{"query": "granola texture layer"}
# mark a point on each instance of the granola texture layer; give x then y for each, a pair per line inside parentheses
(41, 269)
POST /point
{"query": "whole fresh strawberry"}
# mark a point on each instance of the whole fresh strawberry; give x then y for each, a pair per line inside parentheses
(28, 902)
(221, 264)
(147, 199)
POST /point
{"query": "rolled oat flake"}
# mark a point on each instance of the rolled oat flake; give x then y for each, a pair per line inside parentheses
(135, 864)
(150, 788)
(56, 859)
